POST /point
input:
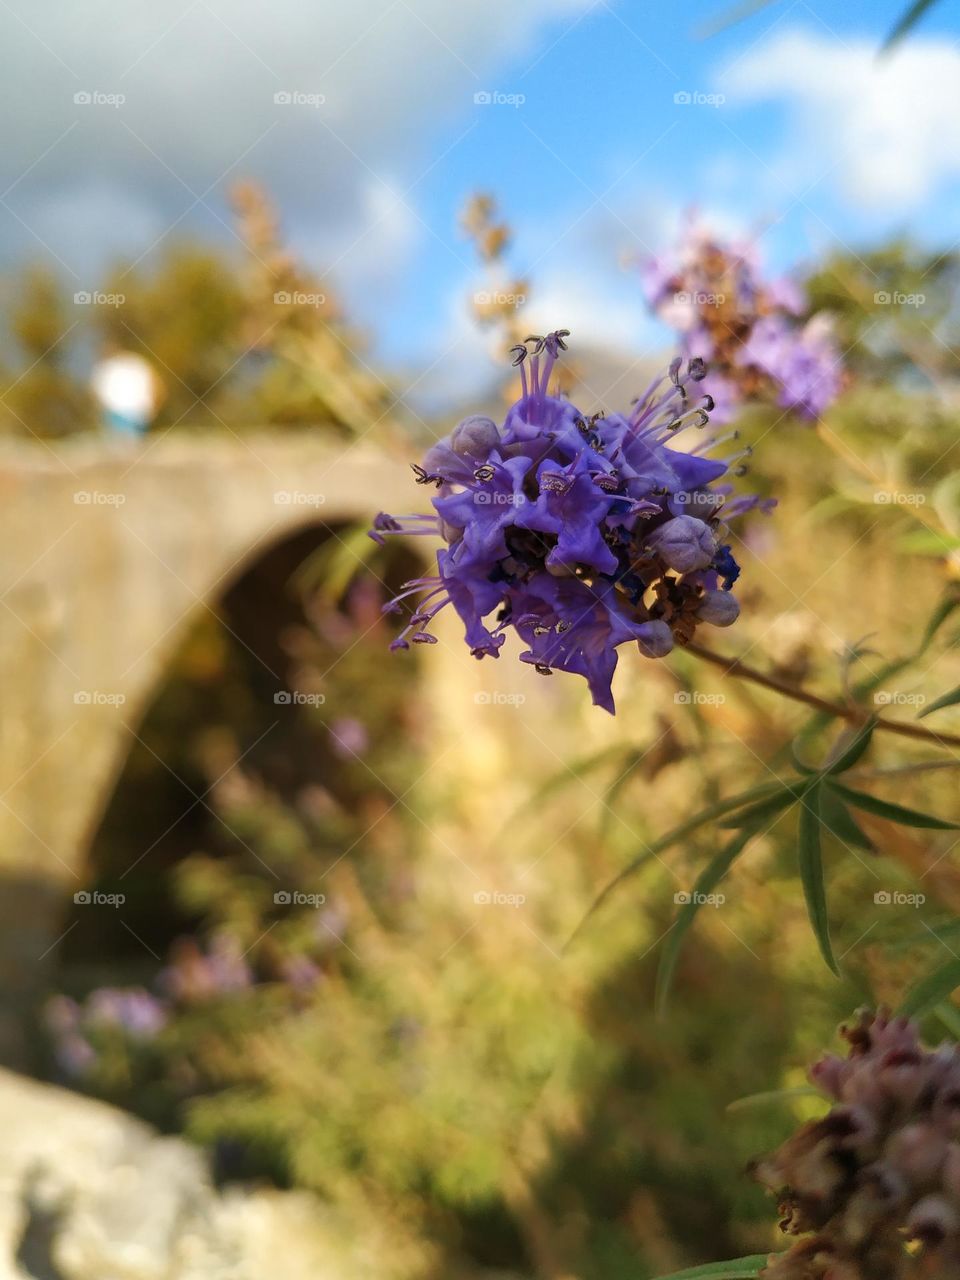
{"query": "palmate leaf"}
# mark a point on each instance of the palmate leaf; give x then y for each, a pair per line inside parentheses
(707, 881)
(932, 989)
(892, 812)
(811, 873)
(736, 1269)
(947, 700)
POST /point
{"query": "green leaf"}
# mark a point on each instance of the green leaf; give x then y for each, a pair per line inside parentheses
(944, 609)
(672, 837)
(854, 749)
(927, 542)
(775, 1095)
(838, 820)
(947, 700)
(892, 812)
(932, 989)
(907, 22)
(731, 16)
(757, 813)
(949, 1015)
(707, 881)
(737, 1269)
(811, 873)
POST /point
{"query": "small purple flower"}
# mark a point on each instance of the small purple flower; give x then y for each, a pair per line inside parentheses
(132, 1009)
(711, 292)
(580, 533)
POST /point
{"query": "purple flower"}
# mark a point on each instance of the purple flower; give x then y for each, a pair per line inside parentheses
(132, 1009)
(579, 533)
(711, 292)
(803, 363)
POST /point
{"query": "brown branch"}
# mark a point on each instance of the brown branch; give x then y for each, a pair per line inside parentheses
(734, 667)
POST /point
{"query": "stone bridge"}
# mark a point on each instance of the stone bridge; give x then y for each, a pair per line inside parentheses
(109, 554)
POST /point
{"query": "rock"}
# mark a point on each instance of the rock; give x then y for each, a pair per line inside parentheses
(88, 1192)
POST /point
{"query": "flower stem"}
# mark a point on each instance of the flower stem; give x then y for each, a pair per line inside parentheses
(735, 667)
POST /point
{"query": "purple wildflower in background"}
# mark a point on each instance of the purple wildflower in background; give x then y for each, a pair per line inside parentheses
(580, 533)
(750, 330)
(874, 1186)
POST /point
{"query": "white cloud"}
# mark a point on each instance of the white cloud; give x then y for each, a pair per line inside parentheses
(887, 129)
(199, 78)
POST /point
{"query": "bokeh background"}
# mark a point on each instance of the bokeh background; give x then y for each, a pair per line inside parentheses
(305, 907)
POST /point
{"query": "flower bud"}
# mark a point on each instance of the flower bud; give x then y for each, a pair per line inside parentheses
(685, 543)
(475, 437)
(656, 640)
(719, 608)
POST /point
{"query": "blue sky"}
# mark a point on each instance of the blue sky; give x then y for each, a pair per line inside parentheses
(797, 130)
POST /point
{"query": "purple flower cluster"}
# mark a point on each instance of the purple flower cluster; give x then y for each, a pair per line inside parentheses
(749, 330)
(131, 1010)
(581, 533)
(877, 1180)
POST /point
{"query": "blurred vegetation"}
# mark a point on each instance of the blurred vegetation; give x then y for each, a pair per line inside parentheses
(404, 1046)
